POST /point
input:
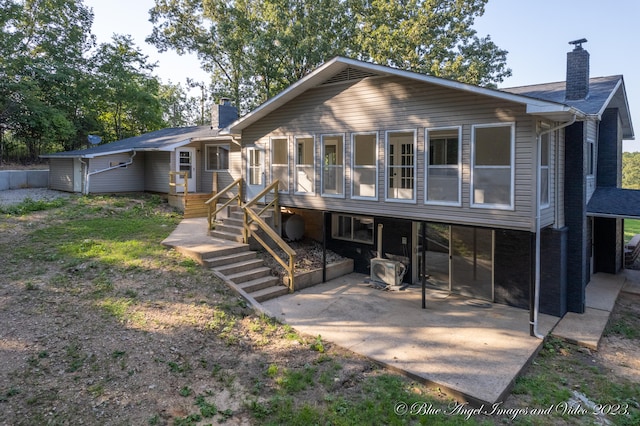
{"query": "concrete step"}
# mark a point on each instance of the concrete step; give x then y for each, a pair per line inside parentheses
(237, 267)
(259, 284)
(252, 274)
(233, 221)
(270, 293)
(226, 235)
(217, 261)
(230, 229)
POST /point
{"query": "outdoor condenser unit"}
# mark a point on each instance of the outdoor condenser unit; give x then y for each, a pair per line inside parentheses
(387, 271)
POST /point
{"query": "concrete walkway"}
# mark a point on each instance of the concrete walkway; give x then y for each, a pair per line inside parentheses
(472, 350)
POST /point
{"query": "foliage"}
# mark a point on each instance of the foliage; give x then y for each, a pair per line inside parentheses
(256, 49)
(631, 170)
(57, 87)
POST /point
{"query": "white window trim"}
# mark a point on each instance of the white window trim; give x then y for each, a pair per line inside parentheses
(322, 146)
(511, 205)
(295, 165)
(288, 190)
(353, 164)
(415, 167)
(206, 156)
(426, 167)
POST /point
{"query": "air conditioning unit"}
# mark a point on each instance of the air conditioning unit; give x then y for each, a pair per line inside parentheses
(387, 271)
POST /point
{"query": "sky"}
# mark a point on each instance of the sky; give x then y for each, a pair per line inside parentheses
(536, 34)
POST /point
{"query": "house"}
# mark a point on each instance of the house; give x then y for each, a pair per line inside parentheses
(144, 163)
(498, 195)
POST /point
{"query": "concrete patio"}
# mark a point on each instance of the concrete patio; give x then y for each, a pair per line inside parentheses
(471, 349)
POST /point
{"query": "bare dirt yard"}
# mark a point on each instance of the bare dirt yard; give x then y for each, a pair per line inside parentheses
(101, 325)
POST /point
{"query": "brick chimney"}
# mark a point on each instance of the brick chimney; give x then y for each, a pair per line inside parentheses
(577, 72)
(223, 114)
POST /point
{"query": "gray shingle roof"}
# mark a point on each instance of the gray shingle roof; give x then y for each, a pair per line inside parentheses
(159, 140)
(615, 202)
(604, 92)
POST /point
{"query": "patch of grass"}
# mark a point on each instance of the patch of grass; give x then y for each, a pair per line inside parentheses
(624, 326)
(292, 381)
(185, 391)
(29, 206)
(207, 409)
(317, 345)
(179, 367)
(631, 228)
(116, 307)
(75, 357)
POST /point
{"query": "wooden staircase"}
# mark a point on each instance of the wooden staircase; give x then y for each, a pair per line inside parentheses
(243, 268)
(194, 205)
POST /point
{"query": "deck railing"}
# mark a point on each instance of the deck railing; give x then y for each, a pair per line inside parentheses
(212, 203)
(253, 217)
(173, 184)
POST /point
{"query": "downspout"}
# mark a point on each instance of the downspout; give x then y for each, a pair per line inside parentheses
(533, 324)
(95, 172)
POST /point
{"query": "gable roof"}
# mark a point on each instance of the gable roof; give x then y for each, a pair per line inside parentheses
(159, 140)
(344, 69)
(604, 92)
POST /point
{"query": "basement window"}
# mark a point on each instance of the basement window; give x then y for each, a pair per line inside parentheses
(352, 228)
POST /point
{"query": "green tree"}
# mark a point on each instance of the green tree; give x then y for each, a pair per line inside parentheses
(129, 100)
(631, 170)
(257, 48)
(43, 70)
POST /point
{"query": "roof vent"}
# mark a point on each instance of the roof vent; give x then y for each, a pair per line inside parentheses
(348, 74)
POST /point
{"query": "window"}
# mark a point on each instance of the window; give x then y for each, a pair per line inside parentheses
(217, 157)
(364, 147)
(352, 228)
(401, 165)
(492, 154)
(333, 165)
(280, 162)
(443, 166)
(544, 170)
(591, 157)
(305, 174)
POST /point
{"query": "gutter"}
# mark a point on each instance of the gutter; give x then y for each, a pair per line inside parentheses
(95, 172)
(533, 315)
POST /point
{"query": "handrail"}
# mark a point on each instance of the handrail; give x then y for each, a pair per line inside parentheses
(213, 201)
(255, 218)
(274, 203)
(173, 183)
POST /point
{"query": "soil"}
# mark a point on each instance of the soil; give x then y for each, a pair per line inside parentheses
(180, 340)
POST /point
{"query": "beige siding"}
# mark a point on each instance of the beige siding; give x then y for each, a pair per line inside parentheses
(61, 174)
(381, 104)
(156, 171)
(121, 179)
(224, 177)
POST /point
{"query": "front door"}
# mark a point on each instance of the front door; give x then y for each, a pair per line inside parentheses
(255, 172)
(186, 162)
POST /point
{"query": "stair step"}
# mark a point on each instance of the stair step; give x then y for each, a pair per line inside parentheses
(230, 229)
(226, 235)
(217, 261)
(259, 284)
(237, 267)
(252, 274)
(270, 293)
(232, 221)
